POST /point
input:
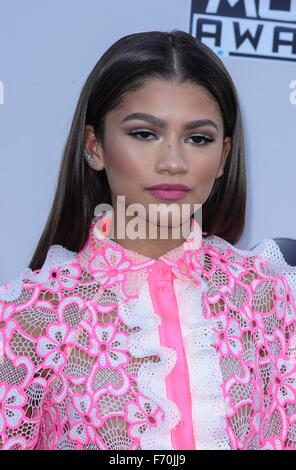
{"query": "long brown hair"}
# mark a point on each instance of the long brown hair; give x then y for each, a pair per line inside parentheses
(174, 55)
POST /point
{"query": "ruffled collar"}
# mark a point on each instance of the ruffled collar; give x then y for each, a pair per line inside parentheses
(111, 264)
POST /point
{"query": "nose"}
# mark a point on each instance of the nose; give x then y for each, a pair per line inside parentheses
(171, 160)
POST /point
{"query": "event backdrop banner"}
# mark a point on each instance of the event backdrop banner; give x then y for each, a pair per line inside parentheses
(263, 29)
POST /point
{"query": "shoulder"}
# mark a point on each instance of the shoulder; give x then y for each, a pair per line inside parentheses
(60, 269)
(261, 271)
(266, 253)
(29, 310)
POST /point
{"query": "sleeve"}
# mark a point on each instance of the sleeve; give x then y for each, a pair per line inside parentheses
(272, 253)
(278, 361)
(22, 388)
(25, 313)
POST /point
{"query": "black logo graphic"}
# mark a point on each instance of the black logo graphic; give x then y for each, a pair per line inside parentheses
(264, 29)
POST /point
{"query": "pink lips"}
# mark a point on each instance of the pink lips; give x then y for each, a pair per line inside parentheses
(169, 192)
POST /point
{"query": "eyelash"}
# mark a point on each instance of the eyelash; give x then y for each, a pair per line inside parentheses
(207, 140)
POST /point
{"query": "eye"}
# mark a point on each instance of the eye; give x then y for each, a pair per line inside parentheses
(207, 140)
(136, 133)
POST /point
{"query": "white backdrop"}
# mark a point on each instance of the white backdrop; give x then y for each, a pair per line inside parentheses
(47, 50)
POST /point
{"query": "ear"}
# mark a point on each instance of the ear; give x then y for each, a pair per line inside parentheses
(225, 153)
(94, 148)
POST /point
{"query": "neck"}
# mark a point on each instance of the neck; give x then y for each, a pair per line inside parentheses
(146, 238)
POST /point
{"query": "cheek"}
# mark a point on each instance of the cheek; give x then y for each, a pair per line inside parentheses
(121, 168)
(205, 169)
(206, 165)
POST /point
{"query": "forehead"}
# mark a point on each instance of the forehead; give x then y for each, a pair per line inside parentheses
(170, 99)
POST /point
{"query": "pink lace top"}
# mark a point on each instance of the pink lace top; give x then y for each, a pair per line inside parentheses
(109, 349)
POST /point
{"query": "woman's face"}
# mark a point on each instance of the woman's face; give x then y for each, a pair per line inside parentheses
(161, 152)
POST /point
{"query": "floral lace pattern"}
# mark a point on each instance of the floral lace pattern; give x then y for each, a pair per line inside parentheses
(82, 365)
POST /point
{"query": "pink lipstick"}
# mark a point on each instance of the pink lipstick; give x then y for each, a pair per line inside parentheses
(169, 192)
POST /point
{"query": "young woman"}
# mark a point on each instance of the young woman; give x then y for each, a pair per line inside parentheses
(141, 342)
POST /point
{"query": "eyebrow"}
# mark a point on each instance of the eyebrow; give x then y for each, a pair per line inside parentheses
(156, 121)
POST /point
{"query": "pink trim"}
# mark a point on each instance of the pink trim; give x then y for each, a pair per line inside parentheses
(164, 301)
